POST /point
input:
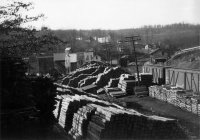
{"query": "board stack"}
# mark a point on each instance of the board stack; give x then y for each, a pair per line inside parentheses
(195, 101)
(164, 94)
(113, 82)
(172, 96)
(105, 77)
(181, 100)
(101, 91)
(64, 108)
(85, 117)
(155, 91)
(87, 81)
(141, 91)
(184, 99)
(146, 79)
(114, 92)
(113, 123)
(80, 122)
(70, 105)
(152, 90)
(188, 103)
(127, 83)
(56, 111)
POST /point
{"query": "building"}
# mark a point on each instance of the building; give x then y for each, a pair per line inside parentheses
(96, 58)
(158, 56)
(40, 64)
(88, 56)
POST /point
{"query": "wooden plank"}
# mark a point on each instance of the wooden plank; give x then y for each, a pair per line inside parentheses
(170, 81)
(176, 78)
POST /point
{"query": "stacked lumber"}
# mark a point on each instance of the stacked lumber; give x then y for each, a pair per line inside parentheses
(146, 78)
(87, 81)
(115, 123)
(184, 99)
(90, 88)
(70, 105)
(80, 122)
(127, 83)
(73, 75)
(180, 99)
(57, 109)
(108, 73)
(195, 102)
(114, 92)
(63, 112)
(113, 82)
(85, 117)
(99, 70)
(141, 91)
(74, 82)
(101, 91)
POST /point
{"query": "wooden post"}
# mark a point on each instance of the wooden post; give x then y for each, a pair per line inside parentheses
(133, 39)
(185, 80)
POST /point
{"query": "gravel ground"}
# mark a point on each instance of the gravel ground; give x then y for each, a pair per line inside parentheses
(147, 105)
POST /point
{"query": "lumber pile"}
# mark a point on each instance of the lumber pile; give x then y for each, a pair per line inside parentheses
(85, 117)
(56, 111)
(101, 91)
(146, 79)
(108, 73)
(113, 82)
(114, 92)
(87, 81)
(141, 91)
(127, 83)
(81, 121)
(70, 105)
(70, 77)
(179, 97)
(114, 123)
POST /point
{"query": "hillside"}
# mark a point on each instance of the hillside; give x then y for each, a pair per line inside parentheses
(174, 36)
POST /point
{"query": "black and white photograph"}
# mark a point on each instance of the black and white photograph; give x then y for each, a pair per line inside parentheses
(99, 69)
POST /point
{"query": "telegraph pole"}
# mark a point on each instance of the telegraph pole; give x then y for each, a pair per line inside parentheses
(121, 46)
(108, 46)
(133, 39)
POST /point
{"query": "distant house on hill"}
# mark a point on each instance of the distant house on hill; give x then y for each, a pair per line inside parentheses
(158, 55)
(102, 39)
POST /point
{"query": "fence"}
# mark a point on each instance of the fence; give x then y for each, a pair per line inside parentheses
(158, 73)
(185, 78)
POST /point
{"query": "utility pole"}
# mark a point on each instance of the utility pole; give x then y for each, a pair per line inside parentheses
(133, 39)
(121, 46)
(108, 46)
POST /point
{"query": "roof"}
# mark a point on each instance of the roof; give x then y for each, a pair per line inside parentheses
(67, 49)
(154, 51)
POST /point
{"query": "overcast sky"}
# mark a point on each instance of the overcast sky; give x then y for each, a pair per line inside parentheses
(115, 14)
